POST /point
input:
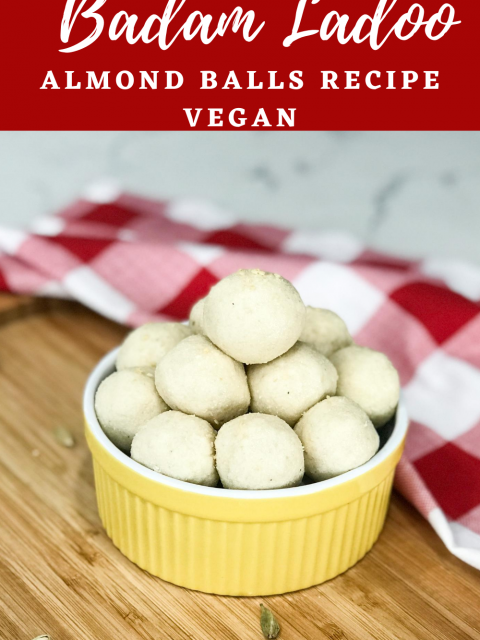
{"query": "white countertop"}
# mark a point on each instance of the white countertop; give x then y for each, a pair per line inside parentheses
(412, 193)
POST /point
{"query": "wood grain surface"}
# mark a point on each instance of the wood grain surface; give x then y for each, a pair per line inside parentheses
(61, 575)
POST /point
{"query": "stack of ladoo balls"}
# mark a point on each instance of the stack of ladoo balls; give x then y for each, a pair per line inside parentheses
(257, 391)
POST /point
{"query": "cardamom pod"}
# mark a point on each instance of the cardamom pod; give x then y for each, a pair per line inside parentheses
(44, 637)
(65, 438)
(268, 623)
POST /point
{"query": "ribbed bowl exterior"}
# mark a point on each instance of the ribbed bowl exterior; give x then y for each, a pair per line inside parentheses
(240, 558)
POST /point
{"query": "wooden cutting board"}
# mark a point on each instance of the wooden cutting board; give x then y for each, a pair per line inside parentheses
(61, 575)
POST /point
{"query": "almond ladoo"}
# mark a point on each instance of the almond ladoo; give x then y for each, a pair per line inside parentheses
(325, 331)
(289, 385)
(254, 316)
(337, 436)
(125, 401)
(179, 446)
(145, 346)
(370, 379)
(197, 378)
(258, 451)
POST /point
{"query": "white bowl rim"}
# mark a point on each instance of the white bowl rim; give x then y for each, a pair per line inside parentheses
(107, 366)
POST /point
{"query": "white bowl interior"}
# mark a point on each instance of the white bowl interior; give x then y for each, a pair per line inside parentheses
(106, 366)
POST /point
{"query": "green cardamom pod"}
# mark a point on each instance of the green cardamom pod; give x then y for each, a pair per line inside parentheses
(268, 623)
(65, 438)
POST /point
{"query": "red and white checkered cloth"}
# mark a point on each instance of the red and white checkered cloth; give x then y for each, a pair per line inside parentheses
(135, 260)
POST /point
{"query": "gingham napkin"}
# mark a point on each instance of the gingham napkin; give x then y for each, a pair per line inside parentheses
(134, 260)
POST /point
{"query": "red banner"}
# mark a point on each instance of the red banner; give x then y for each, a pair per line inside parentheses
(210, 65)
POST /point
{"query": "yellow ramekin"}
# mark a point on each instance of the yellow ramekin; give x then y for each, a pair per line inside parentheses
(240, 543)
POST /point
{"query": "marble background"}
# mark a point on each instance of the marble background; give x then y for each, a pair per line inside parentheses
(412, 193)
